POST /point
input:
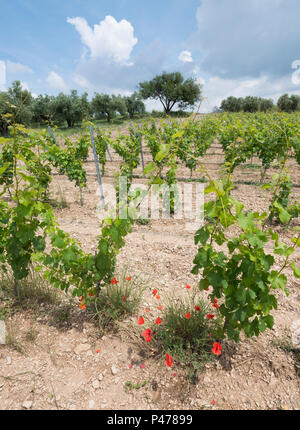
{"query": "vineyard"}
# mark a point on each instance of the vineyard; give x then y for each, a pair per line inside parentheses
(146, 313)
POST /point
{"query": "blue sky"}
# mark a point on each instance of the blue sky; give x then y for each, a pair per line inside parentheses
(232, 47)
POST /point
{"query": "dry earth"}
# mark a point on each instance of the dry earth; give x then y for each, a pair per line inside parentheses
(69, 366)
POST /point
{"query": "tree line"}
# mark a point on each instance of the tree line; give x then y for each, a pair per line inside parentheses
(285, 103)
(171, 89)
(64, 108)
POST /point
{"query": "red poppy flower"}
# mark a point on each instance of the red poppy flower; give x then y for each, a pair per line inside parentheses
(187, 286)
(128, 278)
(154, 292)
(141, 321)
(169, 360)
(188, 315)
(210, 316)
(207, 289)
(216, 306)
(217, 348)
(213, 402)
(147, 335)
(197, 308)
(158, 296)
(98, 350)
(124, 298)
(114, 281)
(82, 305)
(130, 366)
(142, 366)
(160, 307)
(158, 321)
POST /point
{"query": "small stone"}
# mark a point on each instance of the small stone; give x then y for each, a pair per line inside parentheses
(82, 347)
(27, 404)
(206, 380)
(96, 384)
(100, 377)
(8, 360)
(295, 330)
(114, 370)
(89, 353)
(91, 404)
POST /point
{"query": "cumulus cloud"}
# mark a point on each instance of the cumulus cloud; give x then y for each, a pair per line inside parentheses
(108, 40)
(17, 68)
(185, 57)
(2, 75)
(216, 89)
(56, 82)
(247, 38)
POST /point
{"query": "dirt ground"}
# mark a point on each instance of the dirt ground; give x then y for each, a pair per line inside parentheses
(68, 366)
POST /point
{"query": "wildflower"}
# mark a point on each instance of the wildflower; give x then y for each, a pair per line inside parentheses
(210, 316)
(82, 306)
(216, 306)
(187, 286)
(124, 298)
(213, 402)
(114, 281)
(91, 294)
(130, 366)
(147, 310)
(158, 321)
(188, 315)
(128, 278)
(160, 307)
(142, 366)
(154, 292)
(217, 348)
(147, 335)
(197, 308)
(98, 350)
(141, 321)
(169, 360)
(158, 296)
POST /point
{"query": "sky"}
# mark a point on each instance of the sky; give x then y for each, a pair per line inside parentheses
(230, 47)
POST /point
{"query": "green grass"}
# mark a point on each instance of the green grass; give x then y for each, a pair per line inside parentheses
(116, 302)
(33, 290)
(188, 341)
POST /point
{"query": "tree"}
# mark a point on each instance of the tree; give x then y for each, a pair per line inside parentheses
(134, 105)
(251, 104)
(44, 109)
(288, 103)
(232, 104)
(266, 105)
(171, 89)
(104, 105)
(21, 101)
(71, 108)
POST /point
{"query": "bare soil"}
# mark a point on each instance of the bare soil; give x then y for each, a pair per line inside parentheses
(65, 364)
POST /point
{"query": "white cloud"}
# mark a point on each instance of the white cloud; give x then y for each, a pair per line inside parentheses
(56, 82)
(109, 40)
(185, 57)
(17, 68)
(216, 89)
(247, 38)
(81, 81)
(2, 75)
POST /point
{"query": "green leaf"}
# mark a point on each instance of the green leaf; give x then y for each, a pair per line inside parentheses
(296, 270)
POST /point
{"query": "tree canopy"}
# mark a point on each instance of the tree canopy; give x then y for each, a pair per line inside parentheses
(171, 89)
